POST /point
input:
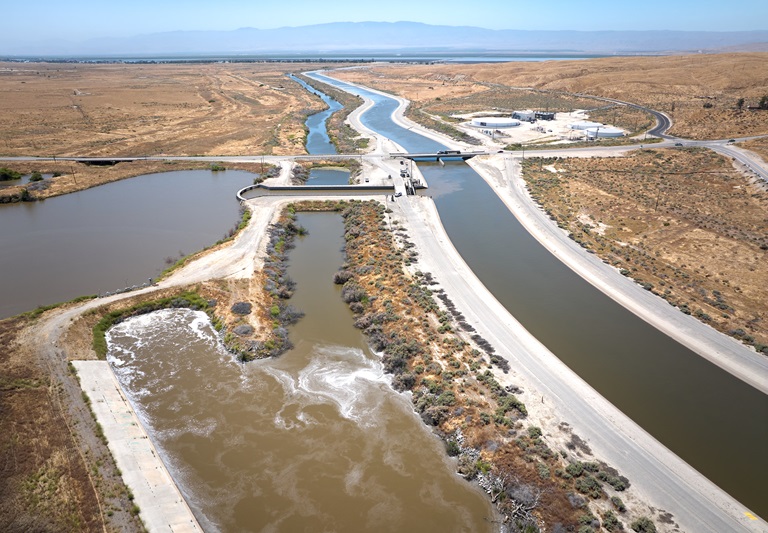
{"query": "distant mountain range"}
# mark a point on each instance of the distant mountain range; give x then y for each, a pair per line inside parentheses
(397, 37)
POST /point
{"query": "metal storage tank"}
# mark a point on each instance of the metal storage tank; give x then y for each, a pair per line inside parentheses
(604, 131)
(524, 115)
(494, 122)
(584, 125)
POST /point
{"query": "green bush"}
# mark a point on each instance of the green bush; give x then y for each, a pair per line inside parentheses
(618, 504)
(611, 523)
(7, 174)
(643, 525)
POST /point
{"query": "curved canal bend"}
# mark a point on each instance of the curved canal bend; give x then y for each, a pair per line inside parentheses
(709, 418)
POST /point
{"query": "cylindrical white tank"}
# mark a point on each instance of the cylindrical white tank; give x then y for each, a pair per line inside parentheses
(584, 125)
(494, 122)
(604, 131)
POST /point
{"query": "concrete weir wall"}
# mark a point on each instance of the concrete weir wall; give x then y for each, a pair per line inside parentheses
(313, 190)
(162, 507)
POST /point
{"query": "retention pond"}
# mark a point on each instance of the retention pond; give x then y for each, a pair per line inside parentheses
(112, 236)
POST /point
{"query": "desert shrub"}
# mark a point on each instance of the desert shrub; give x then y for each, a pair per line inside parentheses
(589, 486)
(611, 523)
(352, 292)
(575, 469)
(643, 525)
(534, 432)
(618, 504)
(242, 308)
(342, 276)
(452, 447)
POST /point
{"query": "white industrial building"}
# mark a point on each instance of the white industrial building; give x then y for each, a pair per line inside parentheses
(494, 122)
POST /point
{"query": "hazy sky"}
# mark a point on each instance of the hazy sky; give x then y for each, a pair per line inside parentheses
(77, 20)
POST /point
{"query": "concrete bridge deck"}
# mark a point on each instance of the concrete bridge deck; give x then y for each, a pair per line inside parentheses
(441, 154)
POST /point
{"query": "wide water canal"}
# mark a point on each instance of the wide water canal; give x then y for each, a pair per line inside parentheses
(711, 419)
(315, 440)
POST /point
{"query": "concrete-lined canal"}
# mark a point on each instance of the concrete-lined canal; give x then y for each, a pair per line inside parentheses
(711, 419)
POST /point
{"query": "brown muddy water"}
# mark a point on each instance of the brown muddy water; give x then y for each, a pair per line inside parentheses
(315, 440)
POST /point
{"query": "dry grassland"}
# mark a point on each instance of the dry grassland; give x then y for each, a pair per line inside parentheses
(56, 474)
(683, 223)
(136, 110)
(676, 85)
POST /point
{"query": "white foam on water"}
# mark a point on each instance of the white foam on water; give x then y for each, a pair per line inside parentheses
(169, 328)
(335, 375)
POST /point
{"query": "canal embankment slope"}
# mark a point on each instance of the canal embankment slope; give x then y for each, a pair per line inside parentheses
(502, 173)
(659, 474)
(161, 505)
(555, 394)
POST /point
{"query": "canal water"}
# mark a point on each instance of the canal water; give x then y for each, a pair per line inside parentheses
(315, 440)
(112, 236)
(318, 142)
(715, 422)
(328, 176)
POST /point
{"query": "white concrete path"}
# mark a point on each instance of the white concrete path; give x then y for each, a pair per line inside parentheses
(162, 508)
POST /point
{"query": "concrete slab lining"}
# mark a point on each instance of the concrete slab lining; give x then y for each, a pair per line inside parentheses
(162, 507)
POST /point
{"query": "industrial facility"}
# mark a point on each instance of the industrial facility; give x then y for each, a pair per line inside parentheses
(527, 115)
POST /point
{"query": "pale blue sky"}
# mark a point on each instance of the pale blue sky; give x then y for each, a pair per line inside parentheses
(77, 20)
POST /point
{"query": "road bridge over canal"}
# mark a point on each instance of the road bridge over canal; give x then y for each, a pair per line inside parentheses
(436, 156)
